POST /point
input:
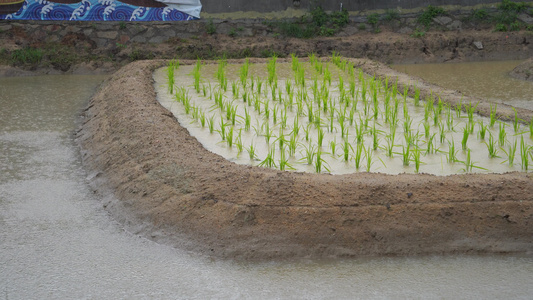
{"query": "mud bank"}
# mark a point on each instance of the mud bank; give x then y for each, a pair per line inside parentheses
(161, 183)
(524, 71)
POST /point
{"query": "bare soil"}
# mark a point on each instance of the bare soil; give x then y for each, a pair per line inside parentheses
(524, 71)
(160, 182)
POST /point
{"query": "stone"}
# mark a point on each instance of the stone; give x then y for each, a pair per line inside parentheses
(110, 35)
(405, 30)
(525, 18)
(5, 27)
(442, 20)
(139, 39)
(157, 39)
(455, 25)
(478, 45)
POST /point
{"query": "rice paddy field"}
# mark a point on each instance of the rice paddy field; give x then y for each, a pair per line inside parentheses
(326, 116)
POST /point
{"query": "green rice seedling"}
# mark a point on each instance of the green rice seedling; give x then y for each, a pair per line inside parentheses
(266, 108)
(389, 148)
(524, 154)
(295, 63)
(293, 144)
(275, 114)
(493, 115)
(516, 121)
(469, 164)
(375, 137)
(245, 96)
(416, 158)
(296, 126)
(369, 156)
(244, 72)
(333, 146)
(426, 130)
(288, 87)
(196, 75)
(406, 153)
(442, 133)
(257, 105)
(346, 149)
(327, 75)
(222, 130)
(281, 139)
(358, 155)
(252, 151)
(511, 153)
(351, 116)
(320, 137)
(470, 109)
(233, 116)
(317, 119)
(271, 67)
(269, 160)
(491, 147)
(449, 120)
(259, 85)
(211, 124)
(267, 132)
(309, 153)
(428, 109)
(202, 119)
(170, 77)
(235, 89)
(452, 153)
(482, 130)
(417, 96)
(531, 128)
(204, 90)
(283, 119)
(352, 89)
(306, 131)
(466, 133)
(430, 146)
(284, 161)
(247, 120)
(319, 162)
(502, 134)
(458, 108)
(238, 142)
(359, 132)
(310, 114)
(229, 136)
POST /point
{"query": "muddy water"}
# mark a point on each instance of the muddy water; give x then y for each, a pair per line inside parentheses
(57, 242)
(487, 80)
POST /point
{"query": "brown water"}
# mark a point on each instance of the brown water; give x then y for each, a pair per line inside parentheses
(487, 80)
(57, 242)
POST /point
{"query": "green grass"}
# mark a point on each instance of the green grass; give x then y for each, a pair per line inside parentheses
(426, 17)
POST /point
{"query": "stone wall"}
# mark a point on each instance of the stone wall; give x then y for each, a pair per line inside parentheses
(217, 6)
(116, 34)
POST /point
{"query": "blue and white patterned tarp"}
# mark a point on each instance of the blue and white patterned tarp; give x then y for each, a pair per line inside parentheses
(94, 10)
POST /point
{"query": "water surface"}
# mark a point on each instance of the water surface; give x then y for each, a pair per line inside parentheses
(488, 80)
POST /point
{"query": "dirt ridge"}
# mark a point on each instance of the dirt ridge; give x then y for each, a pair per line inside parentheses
(160, 182)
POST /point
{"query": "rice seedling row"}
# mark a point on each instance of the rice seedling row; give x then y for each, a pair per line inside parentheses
(325, 115)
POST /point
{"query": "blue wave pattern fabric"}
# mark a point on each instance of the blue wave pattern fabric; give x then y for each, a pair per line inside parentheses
(94, 10)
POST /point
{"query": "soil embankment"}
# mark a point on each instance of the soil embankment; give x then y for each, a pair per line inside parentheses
(87, 47)
(163, 184)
